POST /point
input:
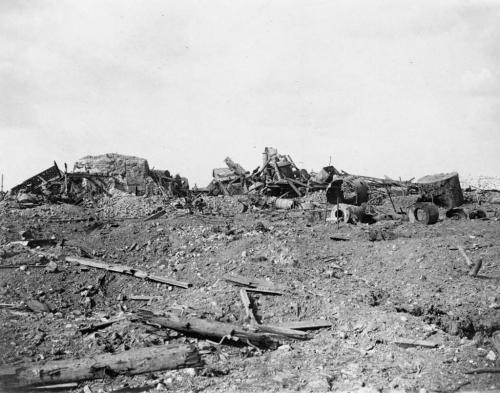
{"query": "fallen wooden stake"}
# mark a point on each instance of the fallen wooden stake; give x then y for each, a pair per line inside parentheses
(210, 329)
(415, 343)
(155, 215)
(282, 331)
(132, 362)
(96, 326)
(492, 370)
(127, 270)
(478, 391)
(467, 260)
(307, 325)
(69, 385)
(295, 189)
(30, 266)
(144, 298)
(265, 291)
(10, 305)
(250, 282)
(475, 269)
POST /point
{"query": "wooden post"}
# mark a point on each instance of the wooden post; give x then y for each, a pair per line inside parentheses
(475, 269)
(295, 189)
(390, 198)
(247, 304)
(338, 209)
(132, 362)
(211, 329)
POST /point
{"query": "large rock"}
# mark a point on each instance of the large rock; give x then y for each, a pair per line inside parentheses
(129, 173)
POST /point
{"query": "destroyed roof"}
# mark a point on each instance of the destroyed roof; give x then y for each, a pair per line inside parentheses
(36, 181)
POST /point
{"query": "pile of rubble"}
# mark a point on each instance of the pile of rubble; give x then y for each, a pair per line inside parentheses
(94, 177)
(278, 176)
(278, 183)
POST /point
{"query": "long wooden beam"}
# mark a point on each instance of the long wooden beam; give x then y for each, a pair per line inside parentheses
(132, 362)
(211, 329)
(127, 270)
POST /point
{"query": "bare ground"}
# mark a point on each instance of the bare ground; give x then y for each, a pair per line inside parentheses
(388, 281)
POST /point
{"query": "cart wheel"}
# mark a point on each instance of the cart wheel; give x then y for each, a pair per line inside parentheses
(426, 213)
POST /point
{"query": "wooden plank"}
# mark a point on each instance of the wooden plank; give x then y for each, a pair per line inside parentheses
(475, 270)
(30, 266)
(69, 385)
(282, 331)
(11, 305)
(415, 343)
(297, 182)
(276, 169)
(127, 270)
(248, 306)
(481, 391)
(307, 325)
(295, 189)
(491, 370)
(247, 282)
(144, 298)
(265, 291)
(156, 215)
(263, 168)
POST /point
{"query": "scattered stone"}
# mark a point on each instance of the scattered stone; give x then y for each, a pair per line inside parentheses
(491, 356)
(51, 267)
(26, 235)
(36, 306)
(191, 372)
(319, 384)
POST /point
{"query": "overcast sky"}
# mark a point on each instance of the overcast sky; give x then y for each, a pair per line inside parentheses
(402, 88)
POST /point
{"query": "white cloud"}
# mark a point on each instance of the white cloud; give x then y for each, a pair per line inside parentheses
(385, 87)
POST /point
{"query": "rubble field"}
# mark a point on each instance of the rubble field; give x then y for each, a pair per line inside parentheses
(395, 302)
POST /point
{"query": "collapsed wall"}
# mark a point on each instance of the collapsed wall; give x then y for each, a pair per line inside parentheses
(126, 173)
